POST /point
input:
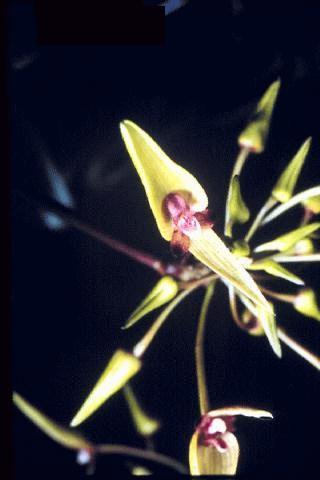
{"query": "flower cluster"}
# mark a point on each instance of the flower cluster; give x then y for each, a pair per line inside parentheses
(180, 208)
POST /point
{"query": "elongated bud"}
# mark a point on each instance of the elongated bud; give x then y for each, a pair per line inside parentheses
(306, 303)
(164, 291)
(276, 270)
(237, 211)
(64, 436)
(120, 369)
(284, 242)
(145, 425)
(283, 189)
(254, 136)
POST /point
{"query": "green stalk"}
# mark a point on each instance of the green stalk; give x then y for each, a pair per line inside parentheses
(146, 340)
(199, 351)
(257, 221)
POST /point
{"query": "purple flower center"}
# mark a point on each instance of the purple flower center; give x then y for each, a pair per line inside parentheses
(212, 431)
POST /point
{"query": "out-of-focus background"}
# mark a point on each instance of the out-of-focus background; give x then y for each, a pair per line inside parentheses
(71, 294)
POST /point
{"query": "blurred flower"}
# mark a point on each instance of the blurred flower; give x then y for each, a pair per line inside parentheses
(214, 448)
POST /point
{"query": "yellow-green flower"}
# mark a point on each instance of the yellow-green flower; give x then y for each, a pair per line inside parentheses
(179, 205)
(214, 448)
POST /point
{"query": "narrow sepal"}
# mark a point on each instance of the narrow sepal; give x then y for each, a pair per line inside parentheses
(64, 436)
(120, 369)
(164, 291)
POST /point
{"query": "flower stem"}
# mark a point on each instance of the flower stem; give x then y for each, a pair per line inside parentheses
(199, 351)
(295, 200)
(283, 297)
(144, 343)
(298, 258)
(299, 349)
(257, 221)
(234, 309)
(238, 165)
(141, 453)
(121, 247)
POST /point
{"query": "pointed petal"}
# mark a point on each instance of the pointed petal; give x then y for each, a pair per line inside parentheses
(284, 242)
(238, 410)
(268, 323)
(211, 251)
(283, 189)
(205, 460)
(120, 369)
(65, 436)
(236, 211)
(273, 268)
(164, 291)
(254, 136)
(145, 425)
(160, 175)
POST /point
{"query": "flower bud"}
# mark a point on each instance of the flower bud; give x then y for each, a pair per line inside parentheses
(286, 241)
(164, 291)
(312, 204)
(283, 189)
(254, 136)
(120, 369)
(306, 303)
(145, 425)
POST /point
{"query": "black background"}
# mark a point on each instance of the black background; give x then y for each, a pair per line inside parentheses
(70, 294)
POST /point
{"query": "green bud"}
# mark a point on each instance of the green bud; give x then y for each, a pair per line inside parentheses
(313, 204)
(273, 268)
(145, 425)
(237, 211)
(284, 242)
(164, 291)
(119, 370)
(306, 303)
(254, 136)
(284, 187)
